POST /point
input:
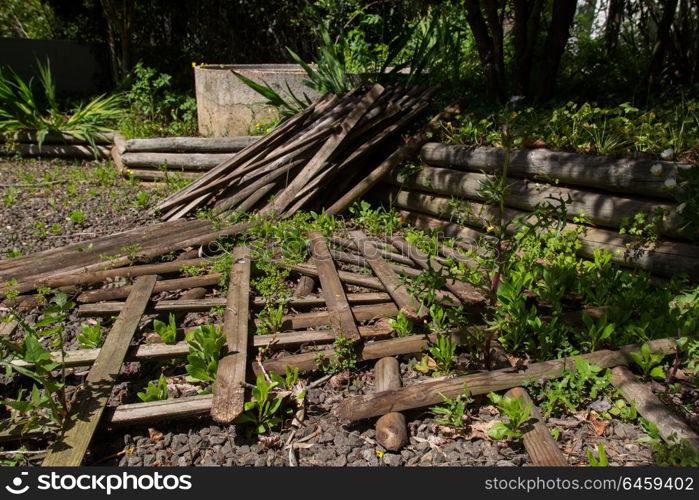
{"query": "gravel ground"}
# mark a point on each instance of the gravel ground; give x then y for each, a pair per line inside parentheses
(60, 202)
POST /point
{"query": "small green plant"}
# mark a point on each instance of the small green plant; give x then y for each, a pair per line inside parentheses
(166, 331)
(600, 460)
(671, 452)
(205, 344)
(649, 363)
(402, 325)
(90, 336)
(142, 201)
(597, 331)
(155, 391)
(271, 319)
(47, 404)
(573, 389)
(265, 409)
(77, 217)
(345, 357)
(452, 411)
(289, 380)
(443, 352)
(22, 109)
(517, 413)
(378, 222)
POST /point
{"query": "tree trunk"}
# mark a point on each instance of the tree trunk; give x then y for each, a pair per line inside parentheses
(562, 16)
(486, 52)
(527, 15)
(661, 42)
(119, 17)
(615, 14)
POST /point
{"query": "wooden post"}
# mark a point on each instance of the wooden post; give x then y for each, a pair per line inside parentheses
(229, 393)
(541, 447)
(391, 429)
(86, 412)
(341, 318)
(408, 304)
(651, 408)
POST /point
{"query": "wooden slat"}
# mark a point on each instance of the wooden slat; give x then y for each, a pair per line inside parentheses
(189, 144)
(408, 304)
(542, 449)
(428, 393)
(144, 352)
(341, 318)
(229, 394)
(161, 286)
(651, 408)
(86, 412)
(204, 305)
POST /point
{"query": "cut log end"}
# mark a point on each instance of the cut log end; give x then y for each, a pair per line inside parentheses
(392, 431)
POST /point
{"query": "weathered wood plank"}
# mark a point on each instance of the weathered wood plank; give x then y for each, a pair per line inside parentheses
(427, 393)
(61, 151)
(204, 305)
(281, 340)
(403, 153)
(341, 318)
(189, 144)
(542, 449)
(87, 410)
(651, 408)
(229, 394)
(408, 304)
(185, 161)
(286, 197)
(160, 286)
(307, 361)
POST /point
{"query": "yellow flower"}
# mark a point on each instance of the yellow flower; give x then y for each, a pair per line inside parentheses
(490, 228)
(379, 453)
(194, 65)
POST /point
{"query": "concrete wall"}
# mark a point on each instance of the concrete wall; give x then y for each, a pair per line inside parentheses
(79, 69)
(227, 107)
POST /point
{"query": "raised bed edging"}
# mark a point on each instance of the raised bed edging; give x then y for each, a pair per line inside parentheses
(611, 173)
(606, 188)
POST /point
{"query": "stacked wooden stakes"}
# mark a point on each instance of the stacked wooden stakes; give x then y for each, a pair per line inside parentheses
(328, 144)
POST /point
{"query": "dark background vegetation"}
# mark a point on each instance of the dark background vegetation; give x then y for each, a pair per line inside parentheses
(609, 50)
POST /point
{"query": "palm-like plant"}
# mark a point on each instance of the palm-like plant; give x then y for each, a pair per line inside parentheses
(22, 110)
